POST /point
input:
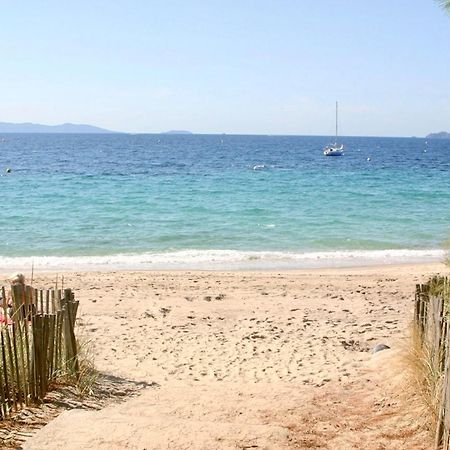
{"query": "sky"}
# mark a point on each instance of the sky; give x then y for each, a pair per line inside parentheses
(229, 66)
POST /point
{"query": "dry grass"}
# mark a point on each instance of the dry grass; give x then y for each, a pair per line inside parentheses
(88, 375)
(440, 287)
(424, 359)
(424, 383)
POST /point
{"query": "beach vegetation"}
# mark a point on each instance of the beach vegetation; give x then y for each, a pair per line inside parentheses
(88, 375)
(425, 381)
(445, 4)
(429, 355)
(440, 287)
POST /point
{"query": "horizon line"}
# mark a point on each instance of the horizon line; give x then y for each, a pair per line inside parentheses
(279, 135)
(191, 133)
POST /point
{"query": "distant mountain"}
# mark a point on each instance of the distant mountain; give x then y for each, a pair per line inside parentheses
(177, 132)
(6, 127)
(440, 135)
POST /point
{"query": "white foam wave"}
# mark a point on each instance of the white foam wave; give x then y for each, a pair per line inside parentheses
(220, 260)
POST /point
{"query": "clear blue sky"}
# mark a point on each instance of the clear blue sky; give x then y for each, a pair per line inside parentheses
(232, 66)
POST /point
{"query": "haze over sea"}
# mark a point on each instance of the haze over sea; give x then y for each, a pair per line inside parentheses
(220, 201)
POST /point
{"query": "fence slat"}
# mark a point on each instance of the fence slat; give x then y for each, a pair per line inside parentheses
(432, 320)
(8, 401)
(38, 344)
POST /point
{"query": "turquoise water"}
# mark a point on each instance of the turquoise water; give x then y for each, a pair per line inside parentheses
(219, 200)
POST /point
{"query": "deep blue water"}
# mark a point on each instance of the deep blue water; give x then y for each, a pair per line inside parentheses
(167, 197)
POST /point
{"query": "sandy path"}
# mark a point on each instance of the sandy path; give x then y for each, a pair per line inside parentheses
(247, 359)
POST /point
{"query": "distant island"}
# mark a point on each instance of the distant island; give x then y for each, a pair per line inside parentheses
(6, 127)
(440, 135)
(177, 132)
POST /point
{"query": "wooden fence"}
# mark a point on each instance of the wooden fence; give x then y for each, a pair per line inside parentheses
(38, 344)
(432, 320)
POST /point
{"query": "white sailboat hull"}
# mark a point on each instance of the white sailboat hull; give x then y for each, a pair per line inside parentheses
(333, 150)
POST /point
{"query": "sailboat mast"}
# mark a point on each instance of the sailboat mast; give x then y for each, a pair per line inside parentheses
(336, 121)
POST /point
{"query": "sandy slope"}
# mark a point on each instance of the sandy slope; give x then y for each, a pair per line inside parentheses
(247, 359)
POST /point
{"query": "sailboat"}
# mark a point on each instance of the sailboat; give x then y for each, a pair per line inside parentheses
(334, 149)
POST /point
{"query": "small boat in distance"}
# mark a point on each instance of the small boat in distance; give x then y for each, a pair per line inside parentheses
(334, 149)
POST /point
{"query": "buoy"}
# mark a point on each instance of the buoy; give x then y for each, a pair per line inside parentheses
(368, 159)
(8, 170)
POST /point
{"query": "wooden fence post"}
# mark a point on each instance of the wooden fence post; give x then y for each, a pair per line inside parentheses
(38, 344)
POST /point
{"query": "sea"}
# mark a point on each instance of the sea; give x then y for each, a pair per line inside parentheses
(157, 201)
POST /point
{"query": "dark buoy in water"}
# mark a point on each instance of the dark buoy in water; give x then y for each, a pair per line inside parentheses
(8, 170)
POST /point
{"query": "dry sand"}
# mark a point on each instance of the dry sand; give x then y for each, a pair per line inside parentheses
(264, 360)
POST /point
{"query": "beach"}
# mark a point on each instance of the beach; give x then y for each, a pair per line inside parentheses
(248, 359)
(207, 241)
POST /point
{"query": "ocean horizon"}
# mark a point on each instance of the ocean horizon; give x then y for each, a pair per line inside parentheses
(161, 201)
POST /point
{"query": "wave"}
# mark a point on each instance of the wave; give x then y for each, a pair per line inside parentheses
(221, 260)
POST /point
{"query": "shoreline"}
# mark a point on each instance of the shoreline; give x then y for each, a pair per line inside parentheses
(223, 260)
